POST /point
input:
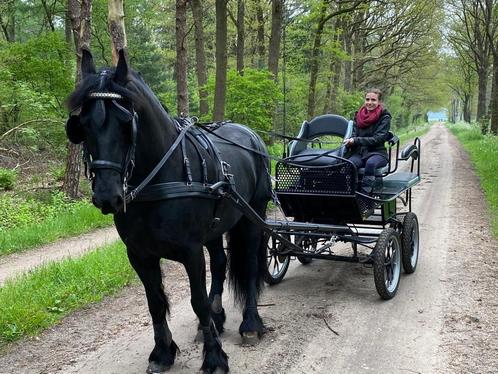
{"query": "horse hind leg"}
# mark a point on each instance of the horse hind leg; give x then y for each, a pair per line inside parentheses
(247, 258)
(163, 355)
(215, 359)
(218, 264)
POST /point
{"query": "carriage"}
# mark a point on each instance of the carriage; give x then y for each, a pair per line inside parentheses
(317, 190)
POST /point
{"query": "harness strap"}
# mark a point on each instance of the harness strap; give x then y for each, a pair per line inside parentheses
(133, 193)
(170, 190)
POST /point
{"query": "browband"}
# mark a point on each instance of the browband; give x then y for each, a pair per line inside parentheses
(105, 95)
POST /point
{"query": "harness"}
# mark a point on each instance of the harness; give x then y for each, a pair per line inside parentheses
(167, 190)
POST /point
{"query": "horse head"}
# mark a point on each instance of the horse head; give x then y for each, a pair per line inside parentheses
(106, 125)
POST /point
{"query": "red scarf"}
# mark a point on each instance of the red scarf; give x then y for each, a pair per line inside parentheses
(365, 118)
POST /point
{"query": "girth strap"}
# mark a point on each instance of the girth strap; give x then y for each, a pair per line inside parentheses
(171, 190)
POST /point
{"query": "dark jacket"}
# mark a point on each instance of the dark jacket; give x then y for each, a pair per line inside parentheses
(370, 140)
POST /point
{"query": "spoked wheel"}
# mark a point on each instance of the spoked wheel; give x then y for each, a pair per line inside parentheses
(387, 263)
(308, 245)
(276, 264)
(410, 243)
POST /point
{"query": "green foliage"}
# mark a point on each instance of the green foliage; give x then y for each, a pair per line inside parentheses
(350, 102)
(483, 151)
(250, 98)
(46, 295)
(32, 221)
(7, 178)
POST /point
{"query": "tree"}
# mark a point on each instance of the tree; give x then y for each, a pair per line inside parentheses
(221, 60)
(116, 28)
(240, 35)
(200, 56)
(276, 30)
(181, 57)
(468, 38)
(80, 16)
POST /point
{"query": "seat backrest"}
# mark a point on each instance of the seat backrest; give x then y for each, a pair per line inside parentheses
(326, 124)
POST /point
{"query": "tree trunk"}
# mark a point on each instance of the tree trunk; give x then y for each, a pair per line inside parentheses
(240, 36)
(314, 61)
(48, 15)
(181, 58)
(482, 76)
(9, 26)
(116, 28)
(80, 17)
(200, 57)
(276, 31)
(221, 60)
(467, 100)
(261, 35)
(494, 98)
(67, 25)
(347, 63)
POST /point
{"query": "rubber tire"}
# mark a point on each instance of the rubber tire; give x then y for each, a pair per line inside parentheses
(302, 259)
(406, 242)
(383, 241)
(269, 277)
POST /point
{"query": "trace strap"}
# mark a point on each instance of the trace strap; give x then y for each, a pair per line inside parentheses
(132, 194)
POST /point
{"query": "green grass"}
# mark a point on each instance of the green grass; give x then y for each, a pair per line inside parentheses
(43, 297)
(407, 135)
(83, 218)
(483, 151)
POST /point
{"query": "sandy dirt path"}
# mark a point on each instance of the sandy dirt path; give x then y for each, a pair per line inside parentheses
(19, 263)
(443, 319)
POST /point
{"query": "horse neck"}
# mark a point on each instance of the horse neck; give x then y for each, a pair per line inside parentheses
(156, 132)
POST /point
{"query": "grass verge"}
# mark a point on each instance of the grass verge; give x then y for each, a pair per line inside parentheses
(41, 298)
(483, 151)
(84, 218)
(406, 136)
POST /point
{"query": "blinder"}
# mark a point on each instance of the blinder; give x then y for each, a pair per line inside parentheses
(74, 130)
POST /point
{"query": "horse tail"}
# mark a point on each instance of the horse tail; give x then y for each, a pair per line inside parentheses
(246, 259)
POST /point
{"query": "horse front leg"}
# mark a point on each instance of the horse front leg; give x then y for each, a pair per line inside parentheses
(148, 269)
(218, 264)
(215, 359)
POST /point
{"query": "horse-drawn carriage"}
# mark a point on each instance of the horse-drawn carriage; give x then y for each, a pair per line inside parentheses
(173, 189)
(318, 187)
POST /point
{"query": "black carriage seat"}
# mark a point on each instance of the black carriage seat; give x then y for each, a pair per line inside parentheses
(327, 124)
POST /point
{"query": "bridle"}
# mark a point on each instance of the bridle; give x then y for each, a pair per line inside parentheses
(125, 169)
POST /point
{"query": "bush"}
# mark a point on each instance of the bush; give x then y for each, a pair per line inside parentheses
(18, 212)
(7, 178)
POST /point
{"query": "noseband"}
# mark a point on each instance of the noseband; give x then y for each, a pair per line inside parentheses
(125, 169)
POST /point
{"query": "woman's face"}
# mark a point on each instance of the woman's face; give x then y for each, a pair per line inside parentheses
(371, 101)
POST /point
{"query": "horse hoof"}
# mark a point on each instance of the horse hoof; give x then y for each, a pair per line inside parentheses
(157, 368)
(250, 338)
(199, 337)
(217, 371)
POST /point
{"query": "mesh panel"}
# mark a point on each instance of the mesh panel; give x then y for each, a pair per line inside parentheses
(339, 179)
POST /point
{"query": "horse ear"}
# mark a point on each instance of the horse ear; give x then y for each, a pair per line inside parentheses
(87, 64)
(122, 68)
(74, 131)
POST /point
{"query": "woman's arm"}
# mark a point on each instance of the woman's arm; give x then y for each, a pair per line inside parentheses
(380, 136)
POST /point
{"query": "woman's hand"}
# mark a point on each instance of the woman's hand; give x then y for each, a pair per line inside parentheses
(349, 142)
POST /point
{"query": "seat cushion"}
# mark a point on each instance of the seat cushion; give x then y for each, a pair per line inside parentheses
(318, 157)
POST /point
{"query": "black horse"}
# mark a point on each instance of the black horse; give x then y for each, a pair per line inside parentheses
(159, 178)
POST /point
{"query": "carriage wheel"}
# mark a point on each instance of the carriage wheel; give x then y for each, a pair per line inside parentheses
(387, 263)
(276, 264)
(410, 243)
